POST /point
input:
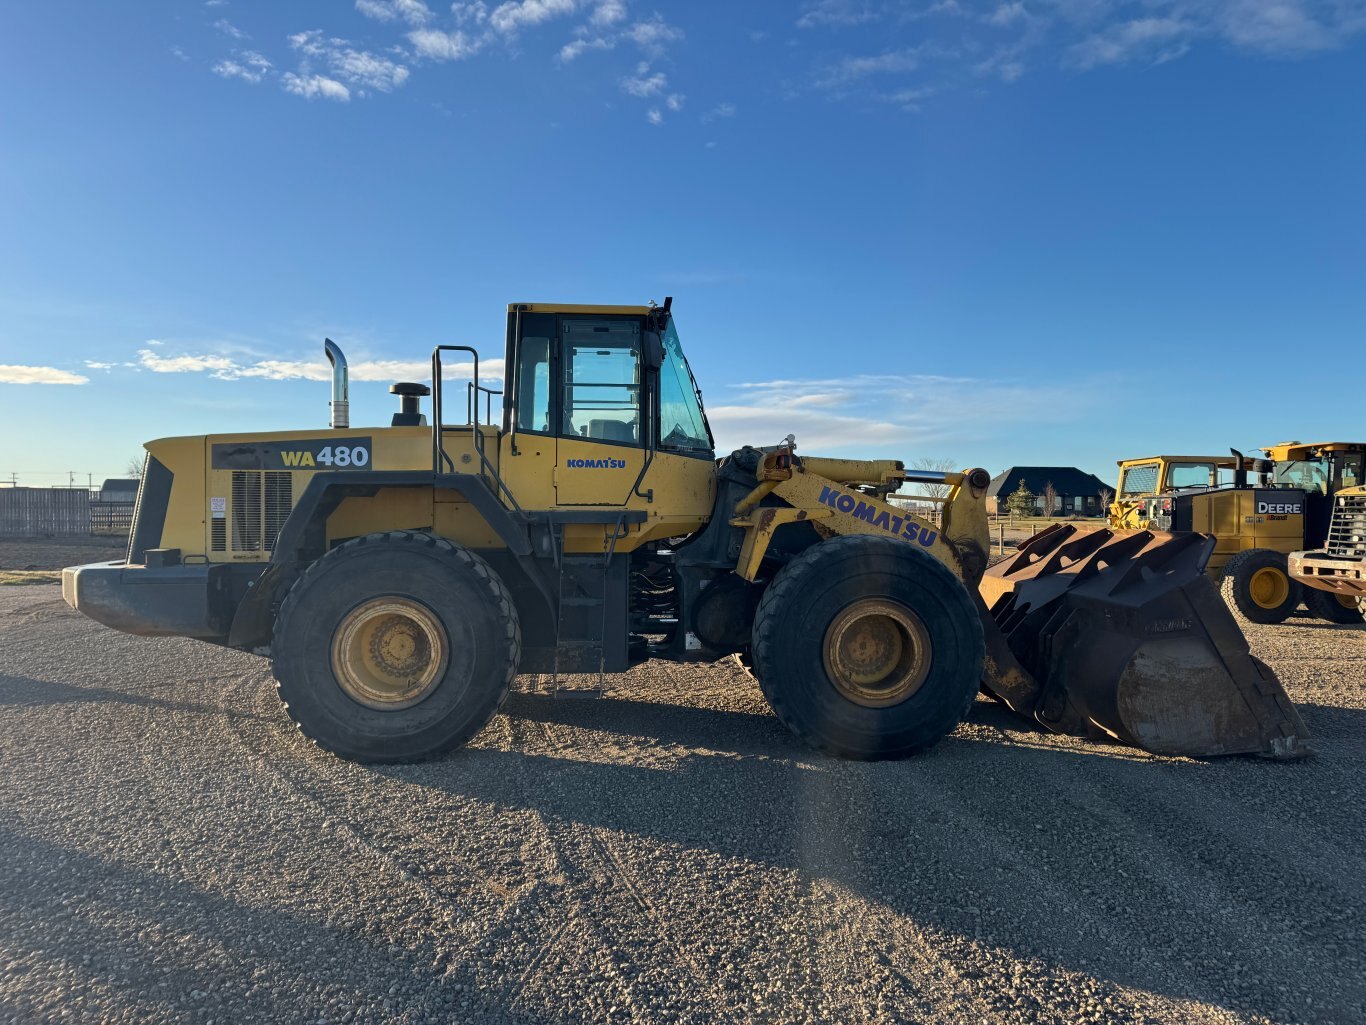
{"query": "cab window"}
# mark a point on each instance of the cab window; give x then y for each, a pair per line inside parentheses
(1140, 479)
(682, 426)
(1309, 474)
(601, 367)
(1190, 475)
(533, 385)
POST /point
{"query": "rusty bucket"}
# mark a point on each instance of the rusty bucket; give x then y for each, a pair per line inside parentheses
(1121, 634)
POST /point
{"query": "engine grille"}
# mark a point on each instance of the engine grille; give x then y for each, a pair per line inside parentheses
(259, 505)
(1347, 532)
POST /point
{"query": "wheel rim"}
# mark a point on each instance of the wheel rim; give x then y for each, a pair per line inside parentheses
(1347, 601)
(877, 653)
(1269, 588)
(389, 653)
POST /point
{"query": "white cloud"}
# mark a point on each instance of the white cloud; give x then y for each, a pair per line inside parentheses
(312, 87)
(651, 35)
(414, 12)
(179, 53)
(884, 410)
(434, 44)
(643, 83)
(368, 71)
(347, 68)
(721, 110)
(248, 65)
(13, 374)
(575, 47)
(229, 29)
(608, 12)
(517, 14)
(675, 101)
(225, 368)
(97, 365)
(1282, 26)
(835, 12)
(1007, 14)
(851, 69)
(1155, 39)
(654, 116)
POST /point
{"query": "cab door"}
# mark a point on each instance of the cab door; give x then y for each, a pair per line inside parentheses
(600, 444)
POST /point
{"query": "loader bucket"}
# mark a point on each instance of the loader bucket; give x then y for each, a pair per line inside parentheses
(1121, 634)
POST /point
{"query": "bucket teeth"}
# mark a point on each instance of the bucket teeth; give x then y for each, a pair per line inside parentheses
(1121, 634)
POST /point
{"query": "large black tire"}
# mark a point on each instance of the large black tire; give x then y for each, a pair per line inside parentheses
(800, 619)
(1327, 605)
(389, 607)
(1258, 584)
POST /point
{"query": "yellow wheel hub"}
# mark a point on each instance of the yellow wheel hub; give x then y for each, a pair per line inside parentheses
(1269, 588)
(389, 653)
(877, 652)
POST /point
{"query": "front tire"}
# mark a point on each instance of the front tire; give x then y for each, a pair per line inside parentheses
(395, 647)
(1343, 610)
(868, 648)
(1258, 584)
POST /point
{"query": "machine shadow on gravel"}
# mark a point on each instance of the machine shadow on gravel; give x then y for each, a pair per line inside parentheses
(220, 946)
(22, 691)
(939, 840)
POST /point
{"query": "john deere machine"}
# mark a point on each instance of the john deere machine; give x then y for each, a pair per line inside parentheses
(1259, 511)
(1337, 571)
(400, 577)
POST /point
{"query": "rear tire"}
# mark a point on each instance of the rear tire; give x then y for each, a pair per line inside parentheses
(395, 647)
(868, 648)
(1327, 605)
(1258, 584)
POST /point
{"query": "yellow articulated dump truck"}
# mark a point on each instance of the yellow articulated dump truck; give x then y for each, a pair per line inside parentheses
(1336, 573)
(1259, 512)
(400, 577)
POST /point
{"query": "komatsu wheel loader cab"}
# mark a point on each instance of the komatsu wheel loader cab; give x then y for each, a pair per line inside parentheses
(578, 521)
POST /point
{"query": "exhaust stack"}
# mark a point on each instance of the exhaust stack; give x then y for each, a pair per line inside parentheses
(341, 400)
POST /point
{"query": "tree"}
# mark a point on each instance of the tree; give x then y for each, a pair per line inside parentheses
(1049, 499)
(134, 467)
(1106, 497)
(1021, 501)
(933, 465)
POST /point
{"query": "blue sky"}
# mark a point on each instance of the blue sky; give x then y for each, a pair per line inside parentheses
(1022, 232)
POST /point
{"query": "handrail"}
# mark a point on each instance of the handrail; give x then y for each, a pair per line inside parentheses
(439, 455)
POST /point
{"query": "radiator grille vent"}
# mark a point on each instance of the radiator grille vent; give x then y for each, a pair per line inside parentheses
(1347, 532)
(261, 501)
(218, 535)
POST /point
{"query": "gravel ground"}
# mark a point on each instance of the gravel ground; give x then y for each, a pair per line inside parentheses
(173, 851)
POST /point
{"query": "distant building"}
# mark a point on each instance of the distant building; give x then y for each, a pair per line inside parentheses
(1078, 492)
(118, 489)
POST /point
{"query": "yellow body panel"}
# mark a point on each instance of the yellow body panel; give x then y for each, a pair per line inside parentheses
(1231, 516)
(960, 542)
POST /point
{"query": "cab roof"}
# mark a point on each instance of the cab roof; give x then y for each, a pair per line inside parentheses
(624, 311)
(1290, 451)
(1225, 461)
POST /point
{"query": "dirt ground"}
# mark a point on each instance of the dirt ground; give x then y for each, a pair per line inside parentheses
(30, 553)
(174, 851)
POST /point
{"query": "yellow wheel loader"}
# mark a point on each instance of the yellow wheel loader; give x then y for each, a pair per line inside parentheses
(1334, 576)
(400, 577)
(1258, 510)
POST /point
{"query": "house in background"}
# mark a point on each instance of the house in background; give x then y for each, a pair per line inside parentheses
(1078, 492)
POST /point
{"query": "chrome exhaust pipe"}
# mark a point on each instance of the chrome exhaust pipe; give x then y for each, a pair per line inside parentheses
(341, 396)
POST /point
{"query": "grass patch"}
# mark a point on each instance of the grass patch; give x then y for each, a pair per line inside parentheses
(13, 577)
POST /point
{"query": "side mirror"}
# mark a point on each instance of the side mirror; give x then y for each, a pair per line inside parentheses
(652, 350)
